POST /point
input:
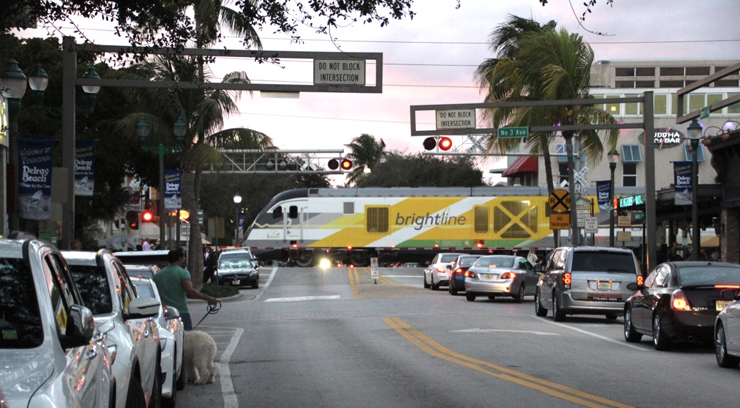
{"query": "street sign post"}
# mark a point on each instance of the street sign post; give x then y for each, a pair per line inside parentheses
(513, 132)
(592, 225)
(560, 221)
(374, 272)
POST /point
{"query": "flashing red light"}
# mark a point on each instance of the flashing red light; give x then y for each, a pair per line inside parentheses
(445, 143)
(346, 164)
(147, 216)
(640, 280)
(349, 248)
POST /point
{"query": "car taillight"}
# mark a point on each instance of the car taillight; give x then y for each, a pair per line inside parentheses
(566, 280)
(679, 301)
(440, 269)
(458, 271)
(469, 274)
(727, 286)
(508, 275)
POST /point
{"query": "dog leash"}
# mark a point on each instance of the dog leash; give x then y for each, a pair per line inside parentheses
(212, 309)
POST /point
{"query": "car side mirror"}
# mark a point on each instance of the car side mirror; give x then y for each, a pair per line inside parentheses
(142, 308)
(80, 327)
(171, 313)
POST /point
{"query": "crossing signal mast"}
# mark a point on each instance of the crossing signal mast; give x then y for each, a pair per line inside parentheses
(345, 164)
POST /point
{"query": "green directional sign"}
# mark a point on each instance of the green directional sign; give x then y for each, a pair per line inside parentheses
(704, 112)
(513, 132)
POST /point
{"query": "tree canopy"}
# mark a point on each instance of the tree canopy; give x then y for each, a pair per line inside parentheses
(423, 171)
(174, 26)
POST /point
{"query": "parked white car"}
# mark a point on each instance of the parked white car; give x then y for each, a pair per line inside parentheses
(49, 340)
(170, 338)
(124, 319)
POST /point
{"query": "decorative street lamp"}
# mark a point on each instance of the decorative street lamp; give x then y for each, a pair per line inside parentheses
(237, 201)
(13, 88)
(179, 129)
(613, 159)
(694, 130)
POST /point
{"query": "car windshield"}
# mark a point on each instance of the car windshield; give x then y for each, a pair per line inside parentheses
(707, 275)
(448, 258)
(235, 263)
(20, 319)
(144, 288)
(495, 262)
(93, 286)
(589, 261)
(466, 261)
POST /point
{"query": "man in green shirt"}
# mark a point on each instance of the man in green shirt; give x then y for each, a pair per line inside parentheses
(174, 286)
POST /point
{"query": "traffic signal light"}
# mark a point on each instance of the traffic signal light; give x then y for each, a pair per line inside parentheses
(147, 216)
(445, 143)
(132, 219)
(184, 215)
(346, 164)
(333, 164)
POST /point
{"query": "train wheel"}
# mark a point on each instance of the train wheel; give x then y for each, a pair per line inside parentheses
(360, 258)
(304, 258)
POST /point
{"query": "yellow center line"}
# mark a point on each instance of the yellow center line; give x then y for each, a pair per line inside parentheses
(547, 387)
(352, 283)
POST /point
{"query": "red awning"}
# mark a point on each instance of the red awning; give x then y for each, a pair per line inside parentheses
(524, 164)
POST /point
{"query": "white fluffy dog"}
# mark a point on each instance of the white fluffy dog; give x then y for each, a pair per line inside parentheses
(198, 353)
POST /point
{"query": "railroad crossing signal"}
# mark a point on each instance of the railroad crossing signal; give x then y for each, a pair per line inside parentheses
(559, 200)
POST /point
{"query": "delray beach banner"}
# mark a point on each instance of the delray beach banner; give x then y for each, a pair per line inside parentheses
(34, 186)
(603, 190)
(85, 167)
(172, 197)
(682, 173)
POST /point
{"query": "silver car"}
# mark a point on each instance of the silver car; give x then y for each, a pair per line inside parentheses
(52, 355)
(500, 275)
(438, 273)
(586, 280)
(123, 317)
(170, 339)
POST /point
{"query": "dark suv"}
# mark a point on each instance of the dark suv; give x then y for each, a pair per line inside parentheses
(586, 280)
(237, 267)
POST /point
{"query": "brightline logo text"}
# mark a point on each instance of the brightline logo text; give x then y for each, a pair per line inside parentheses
(427, 220)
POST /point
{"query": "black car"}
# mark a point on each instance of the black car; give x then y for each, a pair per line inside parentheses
(237, 268)
(678, 302)
(457, 275)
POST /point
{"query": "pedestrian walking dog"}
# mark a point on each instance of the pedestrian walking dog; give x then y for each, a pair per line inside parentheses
(198, 354)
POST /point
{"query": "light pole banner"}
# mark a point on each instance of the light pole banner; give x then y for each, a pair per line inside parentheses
(172, 197)
(682, 173)
(34, 186)
(603, 191)
(84, 167)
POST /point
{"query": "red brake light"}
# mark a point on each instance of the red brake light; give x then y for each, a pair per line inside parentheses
(679, 301)
(566, 280)
(508, 275)
(469, 274)
(727, 286)
(458, 271)
(440, 269)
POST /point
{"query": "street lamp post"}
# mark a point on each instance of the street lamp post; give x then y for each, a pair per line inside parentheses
(237, 201)
(613, 159)
(14, 87)
(694, 130)
(179, 129)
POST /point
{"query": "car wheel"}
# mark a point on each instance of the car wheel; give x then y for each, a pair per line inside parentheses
(630, 334)
(452, 288)
(720, 344)
(426, 285)
(255, 285)
(135, 397)
(558, 314)
(171, 402)
(539, 310)
(434, 286)
(519, 297)
(470, 298)
(660, 339)
(181, 379)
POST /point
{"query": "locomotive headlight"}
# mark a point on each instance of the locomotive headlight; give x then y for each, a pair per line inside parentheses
(324, 263)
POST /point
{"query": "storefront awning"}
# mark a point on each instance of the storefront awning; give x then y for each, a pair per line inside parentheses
(524, 164)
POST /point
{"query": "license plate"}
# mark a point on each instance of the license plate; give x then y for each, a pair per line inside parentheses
(236, 282)
(603, 285)
(489, 277)
(605, 297)
(720, 304)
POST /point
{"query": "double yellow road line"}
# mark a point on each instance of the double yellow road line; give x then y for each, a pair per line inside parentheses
(354, 279)
(550, 388)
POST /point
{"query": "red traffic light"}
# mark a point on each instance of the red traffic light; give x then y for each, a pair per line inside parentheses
(333, 164)
(147, 216)
(430, 143)
(132, 219)
(445, 143)
(346, 164)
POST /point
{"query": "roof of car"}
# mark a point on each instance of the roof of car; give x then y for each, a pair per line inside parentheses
(83, 257)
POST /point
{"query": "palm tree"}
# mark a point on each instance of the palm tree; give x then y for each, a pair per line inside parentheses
(365, 153)
(548, 65)
(204, 111)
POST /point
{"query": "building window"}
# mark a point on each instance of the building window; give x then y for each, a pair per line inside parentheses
(660, 104)
(735, 107)
(629, 174)
(712, 99)
(480, 214)
(631, 154)
(671, 84)
(644, 84)
(671, 71)
(726, 83)
(562, 172)
(624, 84)
(696, 102)
(631, 108)
(689, 156)
(624, 72)
(674, 104)
(704, 71)
(562, 149)
(646, 71)
(377, 219)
